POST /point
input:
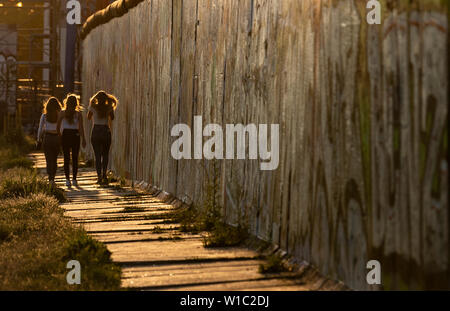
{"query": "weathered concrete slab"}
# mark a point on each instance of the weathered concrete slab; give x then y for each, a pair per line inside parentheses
(154, 254)
(253, 285)
(163, 234)
(174, 250)
(196, 274)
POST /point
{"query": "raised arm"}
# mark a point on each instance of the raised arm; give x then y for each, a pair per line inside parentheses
(89, 114)
(114, 104)
(111, 114)
(90, 107)
(113, 99)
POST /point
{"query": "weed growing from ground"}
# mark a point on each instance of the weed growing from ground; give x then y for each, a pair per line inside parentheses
(273, 264)
(208, 218)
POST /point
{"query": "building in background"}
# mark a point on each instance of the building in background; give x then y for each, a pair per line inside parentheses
(36, 48)
(8, 56)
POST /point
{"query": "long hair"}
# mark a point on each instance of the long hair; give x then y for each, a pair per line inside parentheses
(103, 103)
(51, 109)
(71, 104)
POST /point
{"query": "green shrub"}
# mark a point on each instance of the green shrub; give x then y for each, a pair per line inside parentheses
(189, 220)
(98, 270)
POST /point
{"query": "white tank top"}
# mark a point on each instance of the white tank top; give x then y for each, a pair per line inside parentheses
(48, 126)
(45, 126)
(97, 119)
(66, 125)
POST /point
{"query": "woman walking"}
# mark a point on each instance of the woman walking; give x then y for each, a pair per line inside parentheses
(70, 125)
(101, 112)
(48, 135)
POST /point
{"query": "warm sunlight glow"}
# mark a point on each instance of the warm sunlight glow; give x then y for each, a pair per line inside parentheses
(19, 4)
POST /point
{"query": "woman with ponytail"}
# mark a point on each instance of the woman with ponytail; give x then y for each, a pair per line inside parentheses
(70, 122)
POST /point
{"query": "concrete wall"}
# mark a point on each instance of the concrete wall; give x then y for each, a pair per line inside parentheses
(363, 114)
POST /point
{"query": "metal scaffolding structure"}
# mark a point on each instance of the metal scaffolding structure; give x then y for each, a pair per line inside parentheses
(46, 54)
(40, 50)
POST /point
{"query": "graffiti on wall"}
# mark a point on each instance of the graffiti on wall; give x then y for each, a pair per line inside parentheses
(363, 117)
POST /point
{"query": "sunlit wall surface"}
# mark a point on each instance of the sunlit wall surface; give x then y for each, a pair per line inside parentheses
(363, 114)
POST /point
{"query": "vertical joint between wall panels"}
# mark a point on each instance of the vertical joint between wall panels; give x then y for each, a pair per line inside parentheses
(250, 20)
(194, 96)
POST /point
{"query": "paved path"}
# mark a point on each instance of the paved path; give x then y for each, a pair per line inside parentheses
(154, 254)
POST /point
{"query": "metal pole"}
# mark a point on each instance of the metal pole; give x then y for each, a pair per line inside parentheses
(54, 45)
(69, 72)
(46, 43)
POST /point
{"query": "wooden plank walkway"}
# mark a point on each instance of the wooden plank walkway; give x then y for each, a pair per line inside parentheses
(155, 255)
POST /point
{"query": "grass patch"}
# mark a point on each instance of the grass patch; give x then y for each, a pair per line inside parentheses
(208, 218)
(273, 264)
(224, 235)
(37, 241)
(99, 272)
(17, 176)
(20, 182)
